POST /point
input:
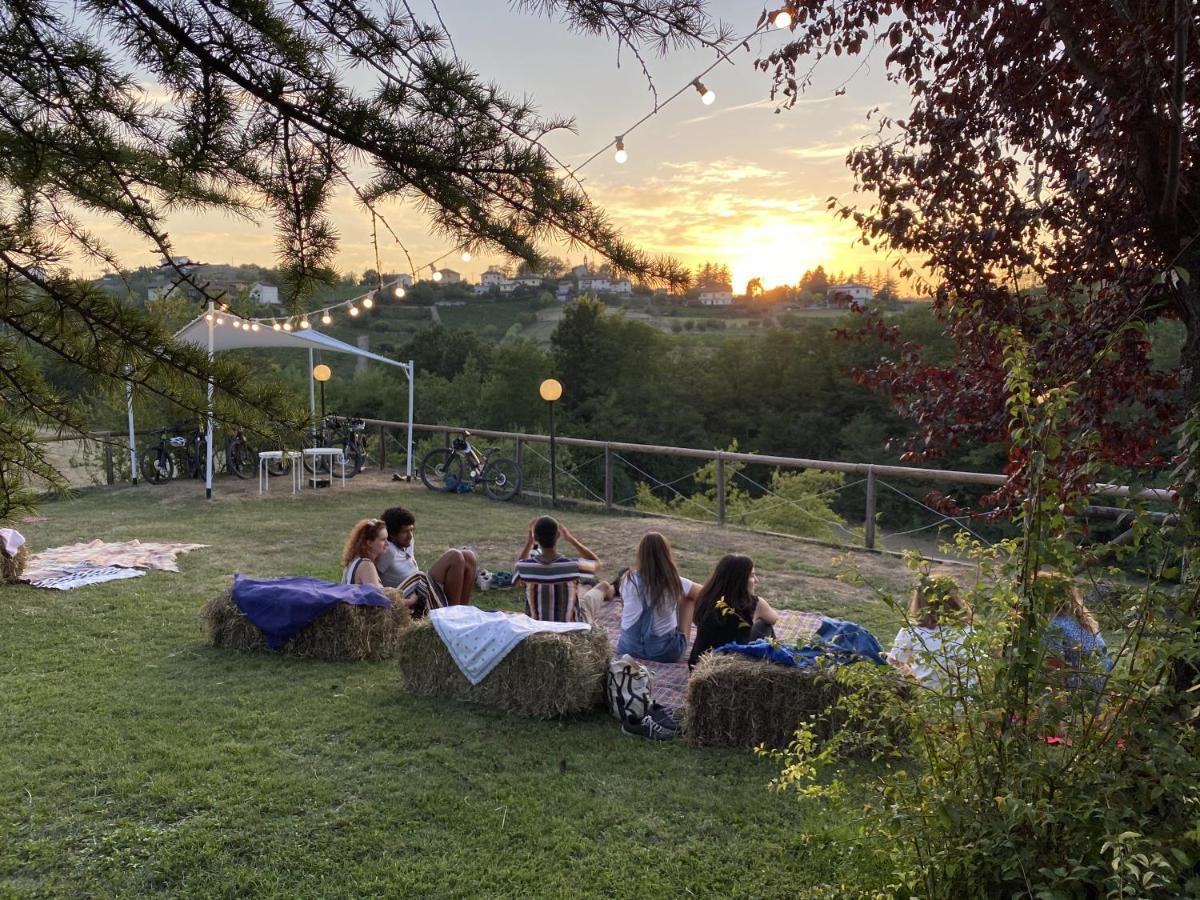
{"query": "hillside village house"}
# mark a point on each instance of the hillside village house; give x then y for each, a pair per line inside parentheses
(849, 295)
(716, 297)
(449, 276)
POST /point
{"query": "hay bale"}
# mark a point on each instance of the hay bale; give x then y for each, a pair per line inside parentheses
(546, 676)
(11, 567)
(735, 701)
(346, 632)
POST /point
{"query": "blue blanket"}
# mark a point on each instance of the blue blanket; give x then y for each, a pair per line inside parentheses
(281, 607)
(836, 641)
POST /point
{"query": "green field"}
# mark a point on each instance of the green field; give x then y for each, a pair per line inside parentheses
(137, 761)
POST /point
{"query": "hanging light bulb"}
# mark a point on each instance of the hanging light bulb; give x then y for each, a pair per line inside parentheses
(707, 95)
(466, 256)
(209, 316)
(220, 320)
(304, 323)
(437, 276)
(254, 327)
(368, 302)
(352, 309)
(287, 326)
(398, 291)
(326, 318)
(274, 326)
(620, 156)
(782, 18)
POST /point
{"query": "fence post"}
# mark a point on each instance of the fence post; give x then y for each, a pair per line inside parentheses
(869, 520)
(446, 437)
(720, 488)
(520, 454)
(383, 437)
(608, 478)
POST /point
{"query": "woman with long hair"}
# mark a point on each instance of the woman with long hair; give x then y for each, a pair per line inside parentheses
(1073, 640)
(366, 542)
(930, 647)
(658, 604)
(728, 609)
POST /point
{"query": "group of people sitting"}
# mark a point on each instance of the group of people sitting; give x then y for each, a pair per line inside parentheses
(659, 605)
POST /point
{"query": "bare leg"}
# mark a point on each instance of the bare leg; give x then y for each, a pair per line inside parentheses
(471, 565)
(448, 571)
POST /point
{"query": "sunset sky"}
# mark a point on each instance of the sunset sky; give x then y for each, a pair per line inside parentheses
(732, 183)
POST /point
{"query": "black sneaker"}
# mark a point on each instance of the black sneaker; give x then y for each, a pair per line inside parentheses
(647, 728)
(664, 717)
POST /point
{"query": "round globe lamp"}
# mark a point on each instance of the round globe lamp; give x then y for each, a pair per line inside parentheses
(322, 373)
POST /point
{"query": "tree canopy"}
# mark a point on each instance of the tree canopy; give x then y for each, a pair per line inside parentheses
(1045, 179)
(132, 109)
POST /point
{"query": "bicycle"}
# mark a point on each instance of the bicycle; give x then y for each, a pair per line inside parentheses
(442, 469)
(347, 434)
(240, 458)
(186, 454)
(157, 461)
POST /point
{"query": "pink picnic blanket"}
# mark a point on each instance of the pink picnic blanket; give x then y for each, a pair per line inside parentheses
(50, 566)
(668, 681)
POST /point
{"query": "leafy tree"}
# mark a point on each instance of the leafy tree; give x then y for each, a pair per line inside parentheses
(262, 114)
(1047, 172)
(754, 287)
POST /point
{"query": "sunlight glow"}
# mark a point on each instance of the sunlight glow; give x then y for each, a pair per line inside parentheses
(777, 254)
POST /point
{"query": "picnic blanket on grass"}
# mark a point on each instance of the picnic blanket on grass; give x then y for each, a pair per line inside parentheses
(75, 565)
(668, 681)
(478, 641)
(281, 607)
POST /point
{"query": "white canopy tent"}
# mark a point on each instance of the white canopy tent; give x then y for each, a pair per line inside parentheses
(239, 334)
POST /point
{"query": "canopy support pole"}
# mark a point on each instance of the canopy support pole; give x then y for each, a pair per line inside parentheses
(312, 395)
(208, 439)
(133, 465)
(408, 466)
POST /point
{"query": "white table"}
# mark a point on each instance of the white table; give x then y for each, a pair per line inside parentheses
(268, 456)
(335, 456)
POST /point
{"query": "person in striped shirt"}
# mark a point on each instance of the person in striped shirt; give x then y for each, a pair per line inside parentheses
(551, 581)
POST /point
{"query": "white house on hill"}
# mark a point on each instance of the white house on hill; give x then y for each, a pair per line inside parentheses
(850, 295)
(720, 297)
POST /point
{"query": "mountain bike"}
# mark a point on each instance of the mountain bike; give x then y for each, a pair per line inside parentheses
(347, 434)
(185, 453)
(445, 469)
(157, 462)
(240, 458)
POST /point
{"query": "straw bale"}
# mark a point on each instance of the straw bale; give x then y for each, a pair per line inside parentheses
(345, 632)
(545, 676)
(735, 701)
(11, 567)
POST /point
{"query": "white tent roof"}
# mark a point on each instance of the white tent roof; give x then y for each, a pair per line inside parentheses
(226, 337)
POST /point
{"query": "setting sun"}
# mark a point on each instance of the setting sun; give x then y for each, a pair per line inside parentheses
(778, 254)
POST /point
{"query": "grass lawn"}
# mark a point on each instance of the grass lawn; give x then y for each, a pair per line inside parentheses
(136, 761)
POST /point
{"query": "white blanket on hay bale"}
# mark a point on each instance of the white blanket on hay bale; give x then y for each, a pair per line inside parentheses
(478, 641)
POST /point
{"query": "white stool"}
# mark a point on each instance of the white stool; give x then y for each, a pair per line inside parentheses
(268, 456)
(264, 477)
(333, 453)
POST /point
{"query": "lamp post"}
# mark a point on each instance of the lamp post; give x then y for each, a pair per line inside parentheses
(551, 390)
(322, 374)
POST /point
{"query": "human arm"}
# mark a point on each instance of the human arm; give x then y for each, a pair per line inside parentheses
(763, 612)
(366, 573)
(529, 541)
(584, 552)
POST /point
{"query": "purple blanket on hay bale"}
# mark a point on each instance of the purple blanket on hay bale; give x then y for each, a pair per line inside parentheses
(281, 607)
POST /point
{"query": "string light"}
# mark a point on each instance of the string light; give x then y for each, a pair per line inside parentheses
(437, 275)
(209, 316)
(304, 323)
(275, 326)
(368, 302)
(254, 327)
(707, 95)
(620, 156)
(466, 256)
(353, 310)
(398, 291)
(326, 318)
(220, 320)
(782, 18)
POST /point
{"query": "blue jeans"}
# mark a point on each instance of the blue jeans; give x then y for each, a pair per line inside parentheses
(639, 641)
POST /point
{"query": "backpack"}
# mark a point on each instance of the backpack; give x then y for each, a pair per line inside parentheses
(627, 687)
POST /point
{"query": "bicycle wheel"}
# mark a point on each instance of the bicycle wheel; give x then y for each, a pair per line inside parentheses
(240, 460)
(501, 479)
(350, 463)
(442, 470)
(156, 465)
